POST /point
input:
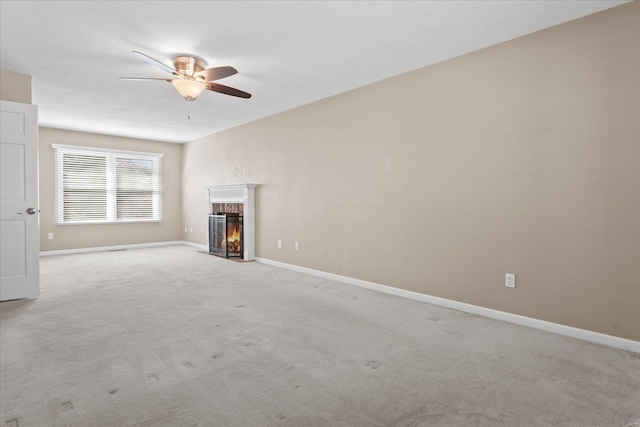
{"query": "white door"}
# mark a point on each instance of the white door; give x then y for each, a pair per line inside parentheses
(19, 223)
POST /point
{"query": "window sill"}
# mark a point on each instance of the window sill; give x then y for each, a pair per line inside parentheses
(141, 221)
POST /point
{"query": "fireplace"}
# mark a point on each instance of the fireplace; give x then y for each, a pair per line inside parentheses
(235, 203)
(225, 235)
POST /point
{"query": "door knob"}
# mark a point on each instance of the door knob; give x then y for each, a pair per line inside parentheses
(31, 211)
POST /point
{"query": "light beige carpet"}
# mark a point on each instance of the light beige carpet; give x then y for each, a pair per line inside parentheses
(169, 336)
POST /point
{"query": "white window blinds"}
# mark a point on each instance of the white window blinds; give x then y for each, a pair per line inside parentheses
(103, 186)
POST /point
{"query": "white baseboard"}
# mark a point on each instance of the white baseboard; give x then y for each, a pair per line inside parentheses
(195, 245)
(583, 334)
(113, 248)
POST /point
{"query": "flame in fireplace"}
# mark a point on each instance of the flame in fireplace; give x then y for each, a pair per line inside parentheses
(234, 240)
(235, 236)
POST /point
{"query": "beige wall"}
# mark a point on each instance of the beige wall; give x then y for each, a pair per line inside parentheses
(89, 236)
(522, 158)
(15, 87)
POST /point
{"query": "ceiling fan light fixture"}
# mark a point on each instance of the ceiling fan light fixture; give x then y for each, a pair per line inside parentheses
(188, 88)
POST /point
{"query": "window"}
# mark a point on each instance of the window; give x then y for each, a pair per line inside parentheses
(96, 185)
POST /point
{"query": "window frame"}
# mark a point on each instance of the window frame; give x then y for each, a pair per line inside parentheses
(111, 183)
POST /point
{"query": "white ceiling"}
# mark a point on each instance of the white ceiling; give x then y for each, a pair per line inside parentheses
(288, 53)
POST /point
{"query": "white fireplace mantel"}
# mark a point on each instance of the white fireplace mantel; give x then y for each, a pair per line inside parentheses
(239, 193)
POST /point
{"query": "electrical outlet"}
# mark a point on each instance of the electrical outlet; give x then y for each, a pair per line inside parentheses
(296, 246)
(279, 244)
(510, 280)
(191, 230)
(185, 229)
(50, 236)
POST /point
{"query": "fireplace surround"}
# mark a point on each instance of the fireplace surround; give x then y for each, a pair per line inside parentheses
(234, 200)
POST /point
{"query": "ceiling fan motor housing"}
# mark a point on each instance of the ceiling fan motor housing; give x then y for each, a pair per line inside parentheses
(188, 65)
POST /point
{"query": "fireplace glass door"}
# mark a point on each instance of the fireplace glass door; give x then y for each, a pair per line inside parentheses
(225, 235)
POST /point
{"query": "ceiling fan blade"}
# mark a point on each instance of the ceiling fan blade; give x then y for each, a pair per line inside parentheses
(227, 90)
(217, 73)
(144, 78)
(155, 62)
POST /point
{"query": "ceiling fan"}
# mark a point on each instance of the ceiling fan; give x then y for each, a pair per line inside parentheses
(191, 76)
